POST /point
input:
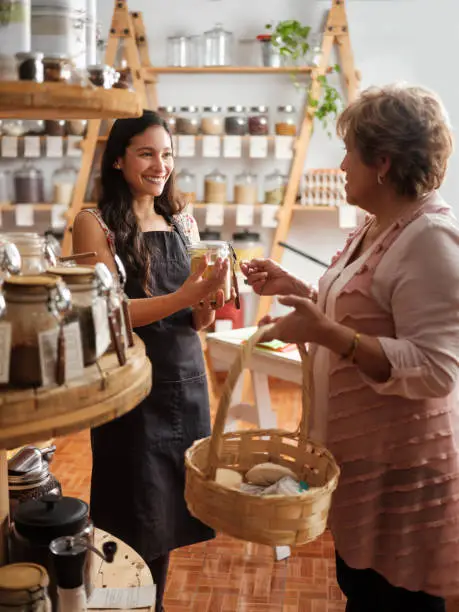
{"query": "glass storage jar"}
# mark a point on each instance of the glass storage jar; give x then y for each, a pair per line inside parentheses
(212, 120)
(286, 120)
(245, 188)
(24, 588)
(195, 50)
(13, 127)
(33, 127)
(28, 185)
(76, 127)
(55, 127)
(215, 188)
(212, 249)
(218, 47)
(15, 28)
(186, 184)
(177, 51)
(275, 184)
(33, 304)
(101, 75)
(168, 114)
(259, 121)
(30, 66)
(5, 186)
(236, 121)
(36, 254)
(57, 68)
(247, 245)
(64, 179)
(8, 69)
(187, 122)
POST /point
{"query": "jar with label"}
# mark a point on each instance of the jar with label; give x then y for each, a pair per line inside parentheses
(286, 120)
(29, 185)
(212, 121)
(236, 121)
(259, 121)
(64, 180)
(87, 302)
(245, 188)
(15, 30)
(186, 184)
(33, 304)
(76, 127)
(215, 188)
(275, 184)
(36, 254)
(247, 245)
(30, 66)
(57, 68)
(24, 588)
(55, 127)
(188, 120)
(168, 114)
(212, 249)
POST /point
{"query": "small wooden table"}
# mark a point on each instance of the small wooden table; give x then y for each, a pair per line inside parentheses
(127, 570)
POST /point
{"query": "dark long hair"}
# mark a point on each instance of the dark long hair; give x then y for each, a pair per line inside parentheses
(116, 199)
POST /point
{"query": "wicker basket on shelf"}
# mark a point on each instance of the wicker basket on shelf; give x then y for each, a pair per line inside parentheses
(273, 520)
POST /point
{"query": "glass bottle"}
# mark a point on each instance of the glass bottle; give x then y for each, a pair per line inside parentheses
(64, 179)
(275, 184)
(246, 188)
(186, 184)
(215, 188)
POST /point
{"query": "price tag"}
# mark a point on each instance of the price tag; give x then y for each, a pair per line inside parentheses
(258, 147)
(102, 330)
(54, 146)
(58, 216)
(9, 146)
(24, 214)
(283, 147)
(5, 351)
(211, 146)
(73, 353)
(347, 216)
(244, 215)
(32, 146)
(74, 146)
(186, 146)
(269, 213)
(215, 215)
(232, 146)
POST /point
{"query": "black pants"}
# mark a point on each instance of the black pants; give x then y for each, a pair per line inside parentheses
(368, 591)
(158, 568)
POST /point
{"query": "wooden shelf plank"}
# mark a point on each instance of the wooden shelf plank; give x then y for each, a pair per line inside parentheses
(10, 206)
(226, 70)
(324, 208)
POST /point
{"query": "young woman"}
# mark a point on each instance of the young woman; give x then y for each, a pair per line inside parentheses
(137, 486)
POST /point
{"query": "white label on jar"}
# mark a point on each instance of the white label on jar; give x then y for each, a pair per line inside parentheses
(215, 215)
(244, 215)
(102, 330)
(269, 213)
(58, 216)
(5, 351)
(258, 147)
(211, 146)
(232, 146)
(186, 146)
(347, 216)
(74, 146)
(24, 214)
(54, 146)
(9, 146)
(32, 146)
(73, 353)
(283, 147)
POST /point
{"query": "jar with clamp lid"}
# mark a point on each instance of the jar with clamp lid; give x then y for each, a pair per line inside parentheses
(186, 184)
(188, 120)
(286, 121)
(212, 121)
(24, 588)
(246, 188)
(212, 249)
(29, 185)
(275, 185)
(259, 121)
(168, 114)
(36, 254)
(236, 121)
(215, 188)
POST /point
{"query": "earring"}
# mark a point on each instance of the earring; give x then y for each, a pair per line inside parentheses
(116, 166)
(380, 179)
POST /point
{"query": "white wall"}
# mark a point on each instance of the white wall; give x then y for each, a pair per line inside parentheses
(411, 40)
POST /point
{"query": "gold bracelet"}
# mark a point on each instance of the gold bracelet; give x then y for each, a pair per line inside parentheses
(351, 352)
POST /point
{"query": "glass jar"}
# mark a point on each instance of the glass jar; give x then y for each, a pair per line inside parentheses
(212, 120)
(212, 249)
(57, 68)
(247, 245)
(36, 254)
(30, 66)
(215, 188)
(76, 127)
(177, 51)
(64, 179)
(32, 304)
(28, 185)
(275, 185)
(24, 588)
(168, 114)
(5, 186)
(286, 121)
(245, 188)
(55, 127)
(186, 184)
(259, 121)
(101, 75)
(218, 47)
(195, 50)
(236, 122)
(187, 122)
(8, 69)
(13, 127)
(34, 127)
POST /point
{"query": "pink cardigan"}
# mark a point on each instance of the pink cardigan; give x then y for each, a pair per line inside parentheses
(396, 508)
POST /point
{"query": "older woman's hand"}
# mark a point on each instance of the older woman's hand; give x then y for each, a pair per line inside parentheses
(266, 277)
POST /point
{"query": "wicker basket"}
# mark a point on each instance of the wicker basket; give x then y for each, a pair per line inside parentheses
(273, 520)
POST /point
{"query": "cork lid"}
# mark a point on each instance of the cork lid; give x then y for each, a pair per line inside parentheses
(21, 583)
(73, 275)
(40, 281)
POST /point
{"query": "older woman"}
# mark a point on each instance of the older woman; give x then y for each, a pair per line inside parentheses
(384, 334)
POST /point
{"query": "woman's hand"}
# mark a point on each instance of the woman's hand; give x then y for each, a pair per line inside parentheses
(266, 277)
(198, 288)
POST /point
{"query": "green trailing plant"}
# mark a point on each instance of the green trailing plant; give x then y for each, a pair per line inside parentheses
(291, 38)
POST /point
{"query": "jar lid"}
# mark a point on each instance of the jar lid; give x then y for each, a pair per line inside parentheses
(189, 109)
(286, 109)
(209, 234)
(237, 109)
(22, 581)
(246, 236)
(32, 282)
(73, 275)
(212, 109)
(208, 245)
(259, 109)
(49, 517)
(166, 109)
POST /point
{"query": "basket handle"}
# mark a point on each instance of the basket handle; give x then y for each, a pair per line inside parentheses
(238, 365)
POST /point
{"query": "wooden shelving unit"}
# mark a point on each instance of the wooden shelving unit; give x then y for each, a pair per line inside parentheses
(151, 72)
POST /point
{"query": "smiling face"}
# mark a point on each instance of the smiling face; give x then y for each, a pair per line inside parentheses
(148, 162)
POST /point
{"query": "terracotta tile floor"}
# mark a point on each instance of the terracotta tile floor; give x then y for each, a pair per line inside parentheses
(227, 575)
